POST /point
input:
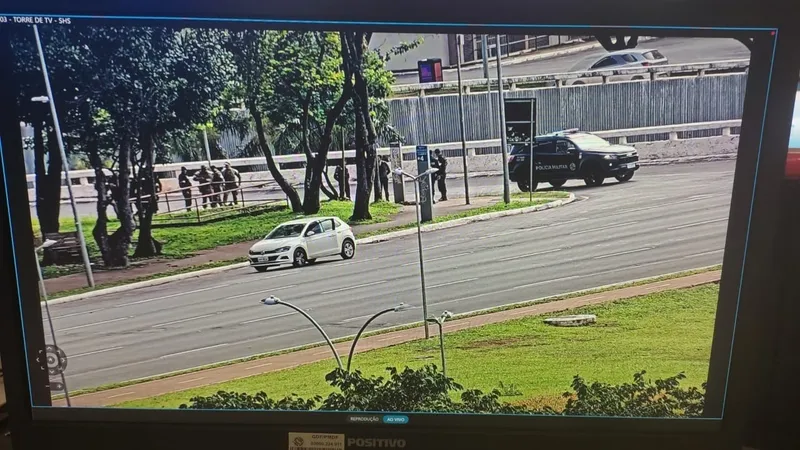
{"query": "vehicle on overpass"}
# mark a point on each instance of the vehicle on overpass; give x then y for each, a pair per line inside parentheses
(303, 241)
(620, 59)
(569, 155)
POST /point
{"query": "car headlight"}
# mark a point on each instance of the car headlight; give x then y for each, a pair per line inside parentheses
(610, 157)
(282, 249)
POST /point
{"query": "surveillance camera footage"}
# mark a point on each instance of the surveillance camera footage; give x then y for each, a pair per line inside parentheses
(279, 219)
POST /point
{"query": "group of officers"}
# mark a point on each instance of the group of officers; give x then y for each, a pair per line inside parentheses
(438, 178)
(214, 186)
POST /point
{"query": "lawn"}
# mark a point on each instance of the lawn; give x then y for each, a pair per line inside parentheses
(664, 333)
(181, 242)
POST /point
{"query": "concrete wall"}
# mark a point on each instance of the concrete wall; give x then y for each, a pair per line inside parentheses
(433, 46)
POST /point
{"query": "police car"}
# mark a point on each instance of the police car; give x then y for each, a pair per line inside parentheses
(569, 155)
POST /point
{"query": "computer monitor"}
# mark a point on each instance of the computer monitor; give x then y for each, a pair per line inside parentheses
(185, 259)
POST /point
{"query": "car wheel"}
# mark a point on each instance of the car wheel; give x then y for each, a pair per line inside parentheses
(557, 183)
(625, 177)
(595, 178)
(578, 83)
(261, 269)
(523, 185)
(300, 258)
(348, 249)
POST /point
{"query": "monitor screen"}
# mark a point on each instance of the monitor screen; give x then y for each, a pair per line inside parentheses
(793, 160)
(210, 214)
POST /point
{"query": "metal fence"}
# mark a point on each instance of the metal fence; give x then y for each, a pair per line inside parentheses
(424, 120)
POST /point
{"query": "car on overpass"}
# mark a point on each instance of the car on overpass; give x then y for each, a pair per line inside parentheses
(620, 59)
(571, 154)
(303, 241)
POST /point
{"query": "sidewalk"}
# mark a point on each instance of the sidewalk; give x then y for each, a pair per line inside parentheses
(233, 251)
(320, 353)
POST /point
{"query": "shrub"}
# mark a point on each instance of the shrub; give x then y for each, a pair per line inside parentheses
(427, 390)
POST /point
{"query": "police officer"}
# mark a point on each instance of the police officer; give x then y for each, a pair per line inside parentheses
(441, 164)
(186, 188)
(337, 175)
(216, 185)
(232, 182)
(203, 179)
(383, 171)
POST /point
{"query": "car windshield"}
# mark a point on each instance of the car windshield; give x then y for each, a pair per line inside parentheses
(286, 231)
(584, 64)
(589, 141)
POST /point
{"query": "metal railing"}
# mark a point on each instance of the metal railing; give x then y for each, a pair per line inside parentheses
(559, 79)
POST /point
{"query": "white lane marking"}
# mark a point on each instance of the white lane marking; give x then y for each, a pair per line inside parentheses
(704, 253)
(452, 283)
(261, 319)
(94, 352)
(73, 314)
(356, 318)
(627, 252)
(580, 219)
(121, 395)
(356, 261)
(182, 320)
(617, 225)
(702, 196)
(437, 259)
(171, 296)
(194, 350)
(192, 380)
(260, 291)
(511, 258)
(510, 289)
(353, 287)
(506, 233)
(697, 224)
(258, 366)
(95, 323)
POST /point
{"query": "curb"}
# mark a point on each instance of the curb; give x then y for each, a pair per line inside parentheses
(465, 221)
(369, 240)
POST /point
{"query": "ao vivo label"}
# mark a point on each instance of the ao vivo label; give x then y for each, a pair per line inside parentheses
(395, 419)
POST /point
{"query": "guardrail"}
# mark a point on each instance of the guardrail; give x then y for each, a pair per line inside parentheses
(81, 177)
(559, 79)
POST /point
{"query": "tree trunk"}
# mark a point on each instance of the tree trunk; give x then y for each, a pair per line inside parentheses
(288, 189)
(100, 230)
(48, 181)
(120, 241)
(147, 246)
(363, 177)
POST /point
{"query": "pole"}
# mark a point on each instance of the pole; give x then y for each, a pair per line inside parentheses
(530, 185)
(503, 141)
(50, 320)
(485, 54)
(441, 348)
(342, 185)
(84, 252)
(319, 328)
(205, 144)
(461, 118)
(421, 262)
(363, 327)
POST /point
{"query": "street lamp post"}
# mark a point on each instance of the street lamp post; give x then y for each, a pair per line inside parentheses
(502, 108)
(272, 300)
(459, 44)
(398, 308)
(439, 321)
(416, 181)
(65, 162)
(43, 292)
(205, 145)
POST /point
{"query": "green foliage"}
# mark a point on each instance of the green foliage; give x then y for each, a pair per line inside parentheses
(508, 390)
(428, 390)
(642, 398)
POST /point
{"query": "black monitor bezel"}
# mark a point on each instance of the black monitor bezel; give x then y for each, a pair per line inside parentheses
(754, 274)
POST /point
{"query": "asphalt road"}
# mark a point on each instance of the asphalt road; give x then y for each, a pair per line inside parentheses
(677, 50)
(668, 219)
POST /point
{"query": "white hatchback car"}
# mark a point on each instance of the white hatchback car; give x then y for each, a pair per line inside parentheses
(300, 242)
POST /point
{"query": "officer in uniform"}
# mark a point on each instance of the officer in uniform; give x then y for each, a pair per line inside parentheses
(383, 171)
(186, 188)
(203, 179)
(337, 175)
(441, 164)
(216, 185)
(232, 182)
